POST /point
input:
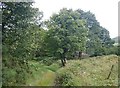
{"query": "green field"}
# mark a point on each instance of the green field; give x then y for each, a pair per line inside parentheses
(92, 71)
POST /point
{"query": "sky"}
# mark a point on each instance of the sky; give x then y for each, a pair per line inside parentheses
(106, 11)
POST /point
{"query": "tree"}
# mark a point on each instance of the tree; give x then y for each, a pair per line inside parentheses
(34, 40)
(98, 37)
(66, 34)
(17, 19)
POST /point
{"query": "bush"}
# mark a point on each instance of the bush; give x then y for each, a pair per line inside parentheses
(14, 71)
(118, 50)
(8, 76)
(66, 78)
(48, 60)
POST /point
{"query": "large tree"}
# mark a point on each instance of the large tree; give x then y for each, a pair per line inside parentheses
(19, 21)
(66, 34)
(17, 17)
(98, 37)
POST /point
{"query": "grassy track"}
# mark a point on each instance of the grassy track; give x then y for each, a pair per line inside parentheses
(87, 72)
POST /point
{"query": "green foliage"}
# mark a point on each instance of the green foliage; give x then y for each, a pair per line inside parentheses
(48, 60)
(81, 73)
(66, 32)
(112, 50)
(75, 73)
(14, 70)
(98, 37)
(66, 78)
(9, 76)
(54, 66)
(17, 21)
(42, 74)
(117, 49)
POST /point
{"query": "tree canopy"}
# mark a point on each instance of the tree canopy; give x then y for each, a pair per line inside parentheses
(67, 33)
(98, 36)
(18, 38)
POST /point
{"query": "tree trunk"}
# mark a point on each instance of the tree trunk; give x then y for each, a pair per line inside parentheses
(63, 64)
(80, 54)
(63, 57)
(64, 60)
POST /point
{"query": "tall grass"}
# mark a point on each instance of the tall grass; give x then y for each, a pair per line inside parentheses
(86, 72)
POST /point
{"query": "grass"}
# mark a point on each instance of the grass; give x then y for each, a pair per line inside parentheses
(86, 72)
(47, 79)
(42, 75)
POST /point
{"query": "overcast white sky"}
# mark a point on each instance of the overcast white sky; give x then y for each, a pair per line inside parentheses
(106, 11)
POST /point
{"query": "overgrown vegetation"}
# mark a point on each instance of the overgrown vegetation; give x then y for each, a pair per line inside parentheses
(90, 72)
(30, 51)
(87, 72)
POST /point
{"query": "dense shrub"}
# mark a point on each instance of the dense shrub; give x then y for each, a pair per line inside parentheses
(14, 71)
(66, 78)
(47, 60)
